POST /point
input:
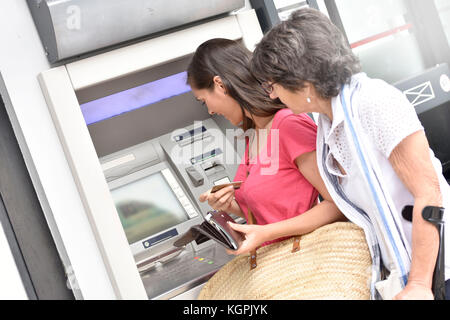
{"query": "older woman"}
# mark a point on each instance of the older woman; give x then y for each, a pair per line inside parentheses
(371, 148)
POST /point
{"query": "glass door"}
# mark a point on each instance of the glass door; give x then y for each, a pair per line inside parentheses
(443, 8)
(405, 43)
(383, 37)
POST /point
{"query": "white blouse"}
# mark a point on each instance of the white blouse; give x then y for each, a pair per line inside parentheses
(385, 113)
(387, 117)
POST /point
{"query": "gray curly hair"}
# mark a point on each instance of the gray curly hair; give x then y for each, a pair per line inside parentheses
(306, 47)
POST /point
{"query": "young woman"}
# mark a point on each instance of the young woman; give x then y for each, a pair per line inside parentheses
(282, 201)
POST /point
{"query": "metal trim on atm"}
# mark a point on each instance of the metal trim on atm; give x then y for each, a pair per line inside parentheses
(72, 27)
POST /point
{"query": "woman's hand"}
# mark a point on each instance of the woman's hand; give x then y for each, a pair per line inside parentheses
(415, 291)
(255, 235)
(221, 200)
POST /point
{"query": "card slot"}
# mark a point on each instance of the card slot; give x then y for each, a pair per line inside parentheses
(188, 237)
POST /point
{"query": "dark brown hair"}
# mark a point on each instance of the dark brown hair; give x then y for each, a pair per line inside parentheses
(306, 47)
(230, 61)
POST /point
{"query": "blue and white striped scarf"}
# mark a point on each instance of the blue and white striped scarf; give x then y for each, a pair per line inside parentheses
(379, 220)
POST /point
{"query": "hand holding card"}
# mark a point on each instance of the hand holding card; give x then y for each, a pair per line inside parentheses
(221, 197)
(236, 185)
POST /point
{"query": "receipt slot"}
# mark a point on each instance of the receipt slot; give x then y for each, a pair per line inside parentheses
(212, 168)
(139, 172)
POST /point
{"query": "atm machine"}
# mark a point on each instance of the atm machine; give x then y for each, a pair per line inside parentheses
(141, 150)
(155, 186)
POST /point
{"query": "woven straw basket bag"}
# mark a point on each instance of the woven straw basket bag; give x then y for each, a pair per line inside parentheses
(333, 263)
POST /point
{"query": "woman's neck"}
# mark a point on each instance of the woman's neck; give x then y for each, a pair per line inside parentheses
(319, 104)
(324, 106)
(262, 122)
(260, 135)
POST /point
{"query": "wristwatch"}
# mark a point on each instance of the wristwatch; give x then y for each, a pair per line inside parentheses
(431, 214)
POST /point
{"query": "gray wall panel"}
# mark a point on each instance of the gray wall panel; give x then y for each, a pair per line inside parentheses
(25, 225)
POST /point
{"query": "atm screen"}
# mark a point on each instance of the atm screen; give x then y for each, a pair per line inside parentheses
(147, 206)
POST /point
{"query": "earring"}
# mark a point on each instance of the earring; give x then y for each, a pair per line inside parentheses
(308, 100)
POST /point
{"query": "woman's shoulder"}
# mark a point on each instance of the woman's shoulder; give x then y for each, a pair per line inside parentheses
(373, 90)
(375, 98)
(282, 114)
(385, 113)
(297, 135)
(287, 120)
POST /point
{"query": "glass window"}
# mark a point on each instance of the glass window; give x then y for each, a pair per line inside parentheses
(443, 7)
(382, 37)
(286, 7)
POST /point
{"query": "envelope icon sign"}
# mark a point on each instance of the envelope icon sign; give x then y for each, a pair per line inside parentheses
(420, 94)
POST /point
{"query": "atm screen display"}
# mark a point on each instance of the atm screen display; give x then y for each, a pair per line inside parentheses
(147, 206)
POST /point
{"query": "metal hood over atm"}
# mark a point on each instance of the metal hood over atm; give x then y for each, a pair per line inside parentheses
(73, 27)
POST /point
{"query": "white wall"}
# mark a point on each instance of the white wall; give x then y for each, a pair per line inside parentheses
(22, 58)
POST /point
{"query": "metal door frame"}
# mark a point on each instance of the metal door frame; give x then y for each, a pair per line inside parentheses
(24, 223)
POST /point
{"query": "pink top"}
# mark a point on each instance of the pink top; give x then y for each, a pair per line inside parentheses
(275, 189)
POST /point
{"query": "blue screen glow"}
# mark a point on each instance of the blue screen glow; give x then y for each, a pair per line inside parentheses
(135, 98)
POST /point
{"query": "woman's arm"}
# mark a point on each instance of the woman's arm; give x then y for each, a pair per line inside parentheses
(322, 214)
(412, 163)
